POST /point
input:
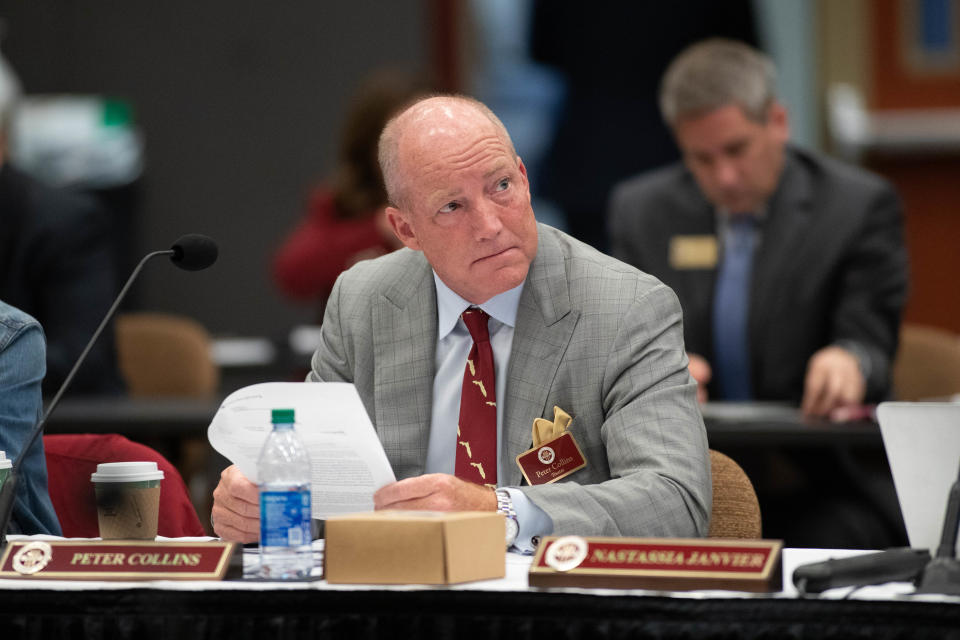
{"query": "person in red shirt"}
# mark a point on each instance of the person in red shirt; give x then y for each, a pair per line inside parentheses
(345, 220)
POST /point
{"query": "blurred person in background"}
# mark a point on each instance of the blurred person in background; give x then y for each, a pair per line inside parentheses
(345, 221)
(809, 311)
(22, 365)
(56, 264)
(792, 273)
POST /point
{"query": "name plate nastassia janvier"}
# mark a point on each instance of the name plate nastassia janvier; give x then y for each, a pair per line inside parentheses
(116, 560)
(670, 564)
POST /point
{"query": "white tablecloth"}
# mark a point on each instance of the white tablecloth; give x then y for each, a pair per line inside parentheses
(514, 580)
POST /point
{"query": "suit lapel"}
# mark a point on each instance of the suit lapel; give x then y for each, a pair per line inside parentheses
(694, 287)
(405, 339)
(784, 230)
(545, 324)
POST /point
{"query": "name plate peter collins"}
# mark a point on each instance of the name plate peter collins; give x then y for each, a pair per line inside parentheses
(116, 560)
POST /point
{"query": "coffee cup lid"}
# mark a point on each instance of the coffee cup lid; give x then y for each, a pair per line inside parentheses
(5, 462)
(126, 472)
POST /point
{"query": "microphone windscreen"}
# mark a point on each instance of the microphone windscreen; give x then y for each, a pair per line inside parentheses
(194, 252)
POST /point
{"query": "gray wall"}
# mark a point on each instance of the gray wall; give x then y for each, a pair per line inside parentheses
(788, 32)
(240, 103)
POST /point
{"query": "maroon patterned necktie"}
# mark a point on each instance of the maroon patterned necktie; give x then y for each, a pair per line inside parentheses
(477, 428)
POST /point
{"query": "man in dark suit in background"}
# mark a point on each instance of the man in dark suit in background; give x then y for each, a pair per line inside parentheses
(792, 274)
(790, 267)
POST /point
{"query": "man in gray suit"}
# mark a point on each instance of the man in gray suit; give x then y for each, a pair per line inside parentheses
(810, 310)
(568, 327)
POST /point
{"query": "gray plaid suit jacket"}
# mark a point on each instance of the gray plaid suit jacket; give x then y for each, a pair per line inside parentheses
(594, 336)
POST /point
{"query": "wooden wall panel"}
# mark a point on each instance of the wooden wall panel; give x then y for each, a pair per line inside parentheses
(929, 183)
(930, 188)
(897, 83)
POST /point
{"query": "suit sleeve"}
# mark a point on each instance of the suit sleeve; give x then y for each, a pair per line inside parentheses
(21, 370)
(332, 361)
(653, 435)
(873, 291)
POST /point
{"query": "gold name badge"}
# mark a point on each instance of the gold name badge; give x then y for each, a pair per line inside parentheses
(555, 453)
(693, 252)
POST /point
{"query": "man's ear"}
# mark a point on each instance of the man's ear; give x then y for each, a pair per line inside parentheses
(401, 228)
(779, 120)
(524, 176)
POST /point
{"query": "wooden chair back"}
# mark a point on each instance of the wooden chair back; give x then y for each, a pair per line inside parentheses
(736, 510)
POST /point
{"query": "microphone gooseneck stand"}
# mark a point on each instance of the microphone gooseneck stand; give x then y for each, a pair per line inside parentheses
(192, 252)
(942, 574)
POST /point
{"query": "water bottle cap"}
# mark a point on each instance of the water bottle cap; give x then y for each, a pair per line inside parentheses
(282, 416)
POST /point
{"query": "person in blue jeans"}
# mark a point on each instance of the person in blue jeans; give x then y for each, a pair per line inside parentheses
(22, 367)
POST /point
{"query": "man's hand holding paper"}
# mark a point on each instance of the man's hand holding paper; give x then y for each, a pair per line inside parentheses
(347, 460)
(435, 492)
(236, 507)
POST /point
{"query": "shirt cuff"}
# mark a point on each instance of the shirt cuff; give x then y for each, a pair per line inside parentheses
(861, 354)
(532, 520)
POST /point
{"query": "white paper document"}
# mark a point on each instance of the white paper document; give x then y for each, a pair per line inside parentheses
(347, 461)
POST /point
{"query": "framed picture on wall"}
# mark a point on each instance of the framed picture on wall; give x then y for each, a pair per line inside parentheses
(930, 36)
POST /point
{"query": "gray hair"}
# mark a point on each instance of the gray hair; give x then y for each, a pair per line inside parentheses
(716, 73)
(388, 146)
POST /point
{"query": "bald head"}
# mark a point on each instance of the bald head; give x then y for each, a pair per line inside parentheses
(428, 122)
(459, 193)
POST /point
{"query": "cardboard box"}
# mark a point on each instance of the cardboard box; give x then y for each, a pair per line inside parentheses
(414, 547)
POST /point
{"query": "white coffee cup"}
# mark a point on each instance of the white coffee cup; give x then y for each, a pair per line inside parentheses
(128, 499)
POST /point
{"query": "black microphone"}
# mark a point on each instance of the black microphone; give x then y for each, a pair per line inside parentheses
(892, 565)
(192, 252)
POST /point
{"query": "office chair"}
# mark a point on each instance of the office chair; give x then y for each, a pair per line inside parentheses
(71, 459)
(736, 510)
(163, 354)
(927, 364)
(168, 355)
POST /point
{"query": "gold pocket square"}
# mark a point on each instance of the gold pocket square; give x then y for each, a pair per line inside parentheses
(545, 430)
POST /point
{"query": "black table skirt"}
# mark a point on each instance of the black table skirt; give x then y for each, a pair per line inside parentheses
(141, 614)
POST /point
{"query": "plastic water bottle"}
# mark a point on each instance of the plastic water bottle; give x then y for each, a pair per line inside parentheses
(284, 471)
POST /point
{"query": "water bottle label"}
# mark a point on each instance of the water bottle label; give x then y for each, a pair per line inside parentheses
(284, 518)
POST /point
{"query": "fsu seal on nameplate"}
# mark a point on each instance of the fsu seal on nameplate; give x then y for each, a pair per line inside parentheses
(670, 564)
